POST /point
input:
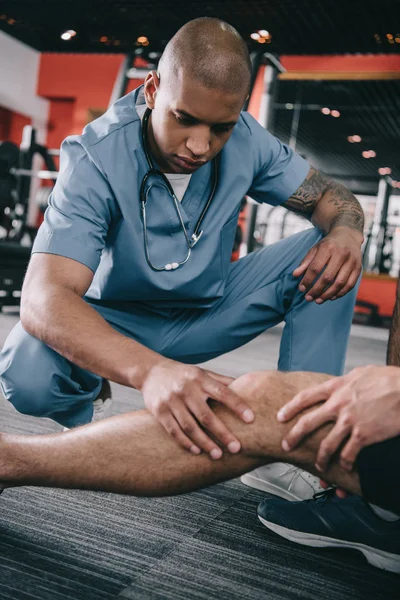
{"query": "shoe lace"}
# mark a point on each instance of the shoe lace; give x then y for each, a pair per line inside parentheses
(325, 496)
(297, 472)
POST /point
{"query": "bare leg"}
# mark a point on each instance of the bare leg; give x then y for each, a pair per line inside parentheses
(132, 454)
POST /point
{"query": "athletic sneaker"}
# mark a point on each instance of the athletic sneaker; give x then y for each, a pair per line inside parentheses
(329, 521)
(102, 405)
(283, 480)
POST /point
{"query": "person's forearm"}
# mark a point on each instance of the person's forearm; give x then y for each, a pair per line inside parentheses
(393, 351)
(67, 324)
(337, 207)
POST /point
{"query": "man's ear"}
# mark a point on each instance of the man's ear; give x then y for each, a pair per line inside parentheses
(151, 85)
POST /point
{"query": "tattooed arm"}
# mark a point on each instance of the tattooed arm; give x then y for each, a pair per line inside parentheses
(326, 203)
(332, 267)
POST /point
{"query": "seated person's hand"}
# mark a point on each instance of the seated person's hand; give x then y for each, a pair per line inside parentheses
(363, 405)
(177, 394)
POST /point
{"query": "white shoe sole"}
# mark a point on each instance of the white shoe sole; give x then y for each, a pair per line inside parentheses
(266, 486)
(378, 558)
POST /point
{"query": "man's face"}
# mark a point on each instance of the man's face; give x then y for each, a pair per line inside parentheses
(189, 123)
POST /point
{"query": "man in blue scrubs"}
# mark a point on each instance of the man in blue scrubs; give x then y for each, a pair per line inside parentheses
(117, 289)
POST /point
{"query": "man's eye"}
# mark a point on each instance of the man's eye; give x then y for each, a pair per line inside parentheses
(222, 129)
(183, 120)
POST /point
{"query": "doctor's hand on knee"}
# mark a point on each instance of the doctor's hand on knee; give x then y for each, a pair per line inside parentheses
(176, 394)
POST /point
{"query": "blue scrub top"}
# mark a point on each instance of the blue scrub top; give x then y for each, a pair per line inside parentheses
(94, 214)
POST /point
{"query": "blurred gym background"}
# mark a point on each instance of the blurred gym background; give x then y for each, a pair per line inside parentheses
(326, 81)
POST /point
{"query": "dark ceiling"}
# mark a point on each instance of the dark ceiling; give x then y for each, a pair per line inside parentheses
(297, 26)
(370, 109)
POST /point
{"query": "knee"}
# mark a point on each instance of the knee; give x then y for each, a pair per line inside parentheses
(263, 392)
(259, 388)
(266, 392)
(25, 384)
(27, 370)
(28, 395)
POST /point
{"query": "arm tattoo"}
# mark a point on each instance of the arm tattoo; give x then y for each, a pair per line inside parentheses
(305, 199)
(338, 207)
(349, 211)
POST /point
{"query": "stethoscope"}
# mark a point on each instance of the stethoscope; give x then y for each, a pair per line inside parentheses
(197, 233)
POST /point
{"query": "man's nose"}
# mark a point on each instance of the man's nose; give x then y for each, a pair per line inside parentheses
(199, 141)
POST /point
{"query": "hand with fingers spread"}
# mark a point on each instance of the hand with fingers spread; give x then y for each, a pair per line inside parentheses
(336, 262)
(363, 405)
(176, 394)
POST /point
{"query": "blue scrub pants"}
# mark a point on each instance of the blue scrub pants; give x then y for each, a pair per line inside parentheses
(260, 292)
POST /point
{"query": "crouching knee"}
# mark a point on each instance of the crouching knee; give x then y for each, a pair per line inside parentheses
(28, 397)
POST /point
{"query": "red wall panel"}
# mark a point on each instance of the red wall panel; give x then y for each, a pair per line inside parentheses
(11, 125)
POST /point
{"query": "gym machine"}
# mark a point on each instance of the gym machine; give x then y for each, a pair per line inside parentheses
(15, 189)
(377, 293)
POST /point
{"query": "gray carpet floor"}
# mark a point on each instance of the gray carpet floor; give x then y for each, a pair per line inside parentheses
(77, 545)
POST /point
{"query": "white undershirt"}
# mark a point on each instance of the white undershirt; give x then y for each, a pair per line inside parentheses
(179, 181)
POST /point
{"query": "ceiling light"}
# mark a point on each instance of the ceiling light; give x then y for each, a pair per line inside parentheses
(384, 171)
(372, 153)
(389, 36)
(67, 35)
(289, 106)
(397, 39)
(262, 36)
(357, 139)
(335, 113)
(350, 139)
(104, 39)
(142, 39)
(326, 111)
